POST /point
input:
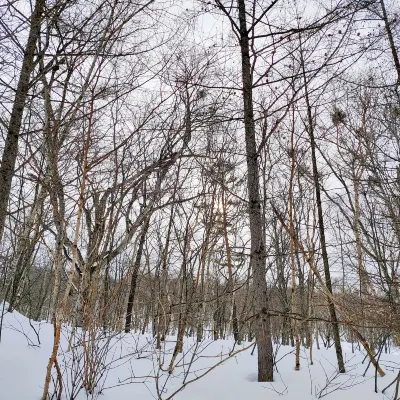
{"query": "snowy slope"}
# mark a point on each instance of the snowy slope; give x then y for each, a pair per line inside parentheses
(129, 365)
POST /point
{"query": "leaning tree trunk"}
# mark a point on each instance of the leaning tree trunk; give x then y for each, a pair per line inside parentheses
(325, 260)
(11, 145)
(257, 257)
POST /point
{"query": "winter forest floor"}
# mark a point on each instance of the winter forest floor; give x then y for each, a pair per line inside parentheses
(126, 366)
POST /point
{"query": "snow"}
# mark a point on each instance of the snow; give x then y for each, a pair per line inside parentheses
(130, 365)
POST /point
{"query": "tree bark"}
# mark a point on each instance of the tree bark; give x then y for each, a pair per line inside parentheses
(393, 48)
(321, 226)
(10, 151)
(325, 259)
(128, 319)
(257, 257)
(291, 251)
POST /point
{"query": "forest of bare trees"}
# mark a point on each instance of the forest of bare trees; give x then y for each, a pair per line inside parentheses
(202, 169)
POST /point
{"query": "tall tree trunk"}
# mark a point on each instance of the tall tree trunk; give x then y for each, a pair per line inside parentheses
(11, 145)
(291, 251)
(321, 226)
(257, 257)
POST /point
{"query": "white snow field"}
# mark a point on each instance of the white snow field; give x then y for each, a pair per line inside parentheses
(127, 368)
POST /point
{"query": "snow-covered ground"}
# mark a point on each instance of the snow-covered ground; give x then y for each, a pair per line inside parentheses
(131, 369)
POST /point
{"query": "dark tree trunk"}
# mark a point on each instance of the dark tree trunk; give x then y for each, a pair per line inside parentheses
(235, 324)
(257, 257)
(393, 48)
(11, 145)
(135, 273)
(328, 282)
